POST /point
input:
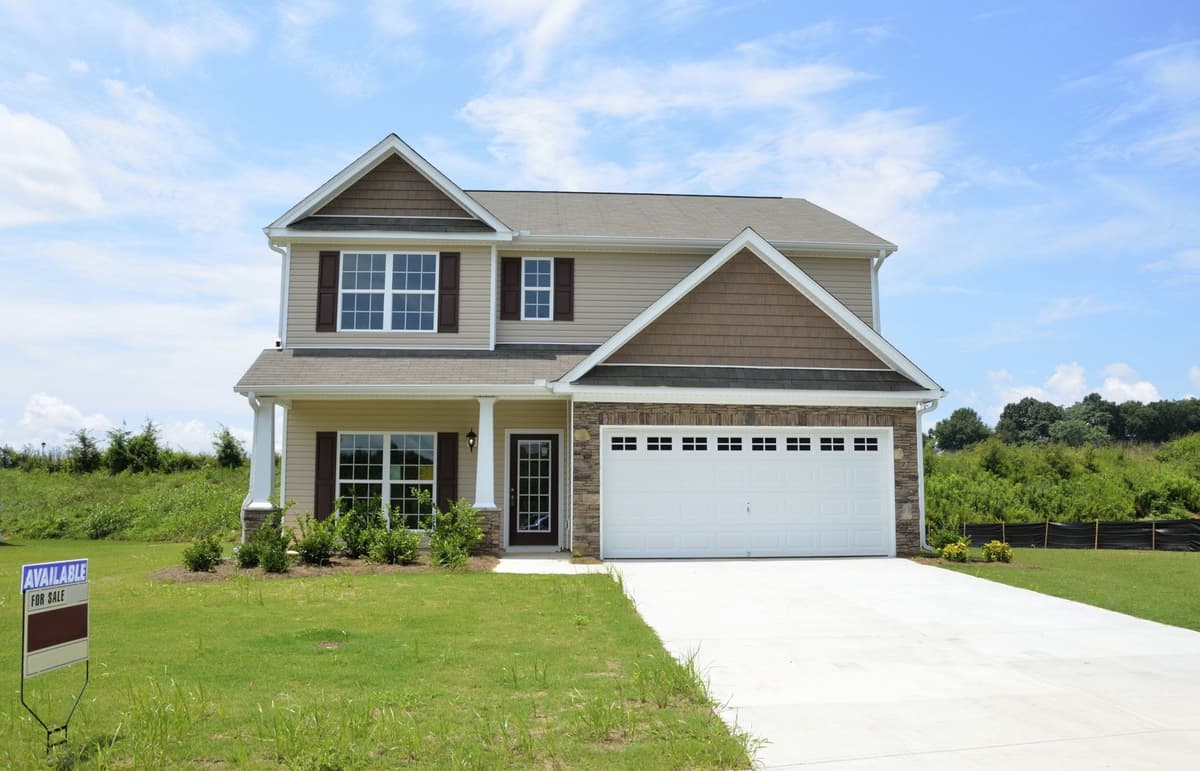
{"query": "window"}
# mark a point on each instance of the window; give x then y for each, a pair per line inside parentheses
(799, 444)
(389, 292)
(695, 443)
(660, 443)
(833, 444)
(536, 280)
(620, 443)
(409, 460)
(762, 444)
(729, 444)
(866, 444)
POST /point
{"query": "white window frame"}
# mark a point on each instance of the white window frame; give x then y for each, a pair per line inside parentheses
(549, 289)
(385, 482)
(389, 291)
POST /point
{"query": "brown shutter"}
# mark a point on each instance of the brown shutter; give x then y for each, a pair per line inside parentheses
(447, 320)
(326, 473)
(447, 469)
(327, 291)
(564, 288)
(510, 288)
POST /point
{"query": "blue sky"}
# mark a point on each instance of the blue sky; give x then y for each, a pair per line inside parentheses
(1036, 162)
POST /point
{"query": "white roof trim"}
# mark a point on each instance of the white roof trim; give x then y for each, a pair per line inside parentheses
(769, 396)
(749, 239)
(410, 391)
(831, 248)
(289, 236)
(389, 145)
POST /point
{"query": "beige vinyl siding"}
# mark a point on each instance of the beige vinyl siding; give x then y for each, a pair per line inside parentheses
(847, 279)
(474, 287)
(612, 289)
(306, 418)
(396, 189)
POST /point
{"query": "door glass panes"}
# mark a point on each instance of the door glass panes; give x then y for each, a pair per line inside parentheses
(694, 443)
(762, 444)
(833, 444)
(729, 444)
(658, 443)
(534, 493)
(624, 443)
(799, 444)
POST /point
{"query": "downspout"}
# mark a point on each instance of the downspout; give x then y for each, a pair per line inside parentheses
(254, 404)
(876, 264)
(285, 267)
(922, 408)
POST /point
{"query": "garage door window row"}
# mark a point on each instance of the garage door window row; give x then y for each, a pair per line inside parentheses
(735, 444)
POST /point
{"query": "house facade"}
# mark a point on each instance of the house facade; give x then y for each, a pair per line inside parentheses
(618, 375)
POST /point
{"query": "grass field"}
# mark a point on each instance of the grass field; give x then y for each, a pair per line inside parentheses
(1159, 585)
(435, 669)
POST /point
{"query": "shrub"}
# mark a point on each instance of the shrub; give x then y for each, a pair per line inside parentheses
(83, 456)
(116, 457)
(229, 451)
(202, 554)
(955, 552)
(317, 541)
(997, 551)
(357, 523)
(144, 450)
(393, 547)
(452, 533)
(269, 546)
(103, 522)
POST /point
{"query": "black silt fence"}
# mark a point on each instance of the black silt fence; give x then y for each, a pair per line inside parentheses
(1167, 535)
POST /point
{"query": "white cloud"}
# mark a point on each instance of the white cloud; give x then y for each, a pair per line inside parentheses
(1068, 384)
(299, 21)
(78, 66)
(1066, 308)
(1122, 384)
(541, 27)
(392, 17)
(1194, 376)
(45, 174)
(49, 419)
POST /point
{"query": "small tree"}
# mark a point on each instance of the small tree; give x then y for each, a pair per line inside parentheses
(962, 429)
(145, 453)
(229, 451)
(116, 457)
(1028, 420)
(83, 456)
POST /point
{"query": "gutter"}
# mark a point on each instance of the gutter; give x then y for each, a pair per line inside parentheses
(876, 264)
(922, 408)
(285, 266)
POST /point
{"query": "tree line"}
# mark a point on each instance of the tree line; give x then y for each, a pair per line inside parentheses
(1093, 421)
(125, 451)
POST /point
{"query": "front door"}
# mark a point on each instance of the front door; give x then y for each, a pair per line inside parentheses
(533, 490)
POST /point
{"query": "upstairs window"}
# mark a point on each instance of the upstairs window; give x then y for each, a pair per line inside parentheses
(395, 292)
(537, 279)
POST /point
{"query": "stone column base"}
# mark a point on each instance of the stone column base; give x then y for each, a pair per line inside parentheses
(254, 516)
(490, 521)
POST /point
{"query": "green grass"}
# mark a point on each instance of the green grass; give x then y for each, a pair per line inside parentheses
(145, 507)
(373, 671)
(1157, 585)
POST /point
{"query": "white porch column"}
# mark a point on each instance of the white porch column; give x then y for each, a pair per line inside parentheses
(262, 466)
(485, 456)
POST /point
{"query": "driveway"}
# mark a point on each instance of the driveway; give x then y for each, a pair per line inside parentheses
(884, 663)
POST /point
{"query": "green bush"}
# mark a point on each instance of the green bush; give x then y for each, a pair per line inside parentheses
(997, 551)
(84, 456)
(228, 450)
(453, 533)
(267, 547)
(317, 541)
(393, 547)
(274, 559)
(356, 524)
(104, 521)
(202, 555)
(955, 552)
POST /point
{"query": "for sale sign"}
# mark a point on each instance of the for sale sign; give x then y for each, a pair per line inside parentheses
(55, 600)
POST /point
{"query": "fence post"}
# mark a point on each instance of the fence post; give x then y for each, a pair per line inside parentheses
(1153, 536)
(1003, 532)
(1097, 543)
(1046, 537)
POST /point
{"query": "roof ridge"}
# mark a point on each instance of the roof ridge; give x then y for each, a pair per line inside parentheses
(619, 192)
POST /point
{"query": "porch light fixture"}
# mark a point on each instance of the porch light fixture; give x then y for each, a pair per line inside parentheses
(472, 438)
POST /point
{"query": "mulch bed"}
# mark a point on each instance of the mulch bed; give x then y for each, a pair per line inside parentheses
(972, 563)
(339, 566)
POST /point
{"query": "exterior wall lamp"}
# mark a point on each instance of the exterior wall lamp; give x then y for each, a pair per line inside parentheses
(472, 438)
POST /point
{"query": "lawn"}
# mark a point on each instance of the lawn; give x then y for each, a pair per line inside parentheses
(432, 669)
(1157, 585)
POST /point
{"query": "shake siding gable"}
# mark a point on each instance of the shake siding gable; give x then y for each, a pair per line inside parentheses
(474, 286)
(745, 314)
(393, 189)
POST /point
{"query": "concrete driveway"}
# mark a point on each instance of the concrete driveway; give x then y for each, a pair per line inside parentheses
(884, 663)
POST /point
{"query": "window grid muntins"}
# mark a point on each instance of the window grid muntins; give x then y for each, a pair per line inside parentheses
(658, 443)
(389, 292)
(624, 443)
(762, 444)
(536, 283)
(409, 459)
(833, 444)
(729, 444)
(534, 469)
(866, 444)
(799, 444)
(694, 443)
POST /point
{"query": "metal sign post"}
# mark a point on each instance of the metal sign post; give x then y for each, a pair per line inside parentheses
(54, 628)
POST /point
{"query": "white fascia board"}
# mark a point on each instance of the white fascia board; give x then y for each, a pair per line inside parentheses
(408, 391)
(767, 396)
(749, 239)
(369, 160)
(606, 243)
(289, 236)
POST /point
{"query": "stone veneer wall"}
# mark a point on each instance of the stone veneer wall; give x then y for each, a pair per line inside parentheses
(590, 416)
(491, 522)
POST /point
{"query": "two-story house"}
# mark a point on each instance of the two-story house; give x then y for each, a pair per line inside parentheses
(619, 375)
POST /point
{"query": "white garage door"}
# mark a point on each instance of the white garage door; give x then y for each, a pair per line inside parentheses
(746, 492)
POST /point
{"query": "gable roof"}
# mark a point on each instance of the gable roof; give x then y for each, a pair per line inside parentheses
(389, 147)
(674, 217)
(750, 240)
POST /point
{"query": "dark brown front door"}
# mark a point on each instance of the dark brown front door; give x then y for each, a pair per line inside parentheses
(533, 490)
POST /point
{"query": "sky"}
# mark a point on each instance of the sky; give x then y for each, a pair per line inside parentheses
(1036, 163)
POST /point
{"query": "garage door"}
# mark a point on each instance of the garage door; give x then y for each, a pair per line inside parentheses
(753, 492)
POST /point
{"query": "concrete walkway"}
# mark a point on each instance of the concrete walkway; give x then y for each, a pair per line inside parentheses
(545, 563)
(887, 664)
